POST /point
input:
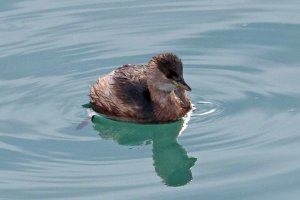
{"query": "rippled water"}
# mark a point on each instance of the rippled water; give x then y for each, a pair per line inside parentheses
(241, 58)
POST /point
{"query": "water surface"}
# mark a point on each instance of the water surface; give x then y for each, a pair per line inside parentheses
(241, 59)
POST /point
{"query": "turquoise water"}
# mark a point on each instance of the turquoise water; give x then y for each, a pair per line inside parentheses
(241, 59)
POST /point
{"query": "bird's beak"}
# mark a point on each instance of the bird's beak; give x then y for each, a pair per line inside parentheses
(182, 84)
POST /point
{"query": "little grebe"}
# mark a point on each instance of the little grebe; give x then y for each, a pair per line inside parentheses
(151, 93)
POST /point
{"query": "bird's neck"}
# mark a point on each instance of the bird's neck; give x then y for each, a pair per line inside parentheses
(166, 105)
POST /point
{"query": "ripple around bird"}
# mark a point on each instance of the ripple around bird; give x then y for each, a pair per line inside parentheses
(241, 60)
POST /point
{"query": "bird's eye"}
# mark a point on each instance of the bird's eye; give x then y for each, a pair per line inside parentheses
(173, 75)
(176, 79)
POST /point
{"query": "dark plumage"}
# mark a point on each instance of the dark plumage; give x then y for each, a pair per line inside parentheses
(143, 93)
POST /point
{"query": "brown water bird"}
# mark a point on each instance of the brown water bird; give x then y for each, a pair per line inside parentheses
(150, 93)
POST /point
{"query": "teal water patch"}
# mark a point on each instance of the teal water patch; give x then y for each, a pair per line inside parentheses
(240, 58)
(170, 159)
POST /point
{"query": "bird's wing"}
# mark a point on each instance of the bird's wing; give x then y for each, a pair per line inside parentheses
(131, 87)
(123, 94)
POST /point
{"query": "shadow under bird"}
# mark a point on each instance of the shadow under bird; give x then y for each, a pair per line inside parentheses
(150, 93)
(170, 159)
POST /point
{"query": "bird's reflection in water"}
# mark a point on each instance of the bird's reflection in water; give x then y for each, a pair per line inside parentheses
(170, 159)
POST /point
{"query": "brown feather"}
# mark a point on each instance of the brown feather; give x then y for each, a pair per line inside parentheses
(130, 92)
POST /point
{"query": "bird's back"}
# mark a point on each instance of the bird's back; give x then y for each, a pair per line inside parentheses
(123, 94)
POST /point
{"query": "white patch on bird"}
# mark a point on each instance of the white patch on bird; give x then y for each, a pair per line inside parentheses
(167, 87)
